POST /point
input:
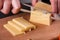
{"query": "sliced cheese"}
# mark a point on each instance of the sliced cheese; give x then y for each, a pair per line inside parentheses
(12, 30)
(22, 22)
(13, 24)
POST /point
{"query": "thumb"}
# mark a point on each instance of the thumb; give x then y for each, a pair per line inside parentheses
(54, 6)
(34, 2)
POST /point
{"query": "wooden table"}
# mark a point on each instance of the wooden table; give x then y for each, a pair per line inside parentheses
(41, 33)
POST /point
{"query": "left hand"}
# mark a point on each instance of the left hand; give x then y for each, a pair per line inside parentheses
(6, 5)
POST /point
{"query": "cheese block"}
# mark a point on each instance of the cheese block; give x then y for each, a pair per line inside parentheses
(12, 30)
(40, 17)
(41, 14)
(13, 24)
(24, 23)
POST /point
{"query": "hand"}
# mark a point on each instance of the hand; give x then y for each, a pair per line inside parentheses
(55, 6)
(34, 2)
(7, 5)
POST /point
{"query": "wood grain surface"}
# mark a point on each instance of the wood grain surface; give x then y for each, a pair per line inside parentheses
(41, 33)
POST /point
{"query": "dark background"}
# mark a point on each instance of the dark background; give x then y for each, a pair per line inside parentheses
(46, 1)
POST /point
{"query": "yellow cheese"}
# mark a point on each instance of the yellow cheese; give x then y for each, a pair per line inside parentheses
(18, 26)
(23, 23)
(12, 30)
(44, 6)
(13, 24)
(40, 17)
(40, 14)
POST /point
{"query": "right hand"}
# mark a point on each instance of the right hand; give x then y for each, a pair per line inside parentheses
(55, 6)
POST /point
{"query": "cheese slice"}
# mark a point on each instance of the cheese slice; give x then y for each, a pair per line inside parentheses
(25, 24)
(12, 30)
(13, 24)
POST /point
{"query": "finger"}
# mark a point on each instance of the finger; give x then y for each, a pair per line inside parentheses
(54, 6)
(34, 2)
(59, 6)
(1, 4)
(16, 6)
(6, 6)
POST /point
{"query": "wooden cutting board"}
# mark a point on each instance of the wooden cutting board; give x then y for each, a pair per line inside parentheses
(41, 33)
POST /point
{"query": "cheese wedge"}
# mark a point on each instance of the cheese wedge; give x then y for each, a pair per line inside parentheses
(12, 30)
(13, 24)
(23, 23)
